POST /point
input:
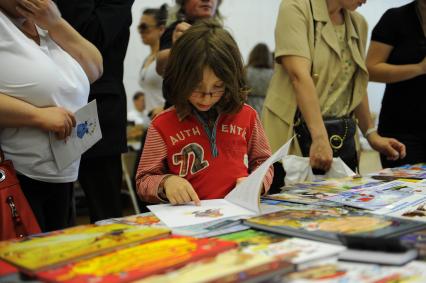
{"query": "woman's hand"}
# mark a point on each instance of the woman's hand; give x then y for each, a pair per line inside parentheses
(43, 13)
(178, 191)
(392, 148)
(321, 154)
(56, 119)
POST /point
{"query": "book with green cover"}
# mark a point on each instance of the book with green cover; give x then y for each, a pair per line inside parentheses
(39, 252)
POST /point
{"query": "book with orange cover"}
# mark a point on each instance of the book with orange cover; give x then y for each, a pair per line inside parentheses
(138, 261)
(42, 251)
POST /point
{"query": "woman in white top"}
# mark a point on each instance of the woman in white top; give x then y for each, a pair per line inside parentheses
(46, 70)
(151, 27)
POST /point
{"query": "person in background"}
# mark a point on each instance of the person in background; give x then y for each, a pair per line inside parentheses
(187, 12)
(191, 152)
(106, 24)
(138, 115)
(37, 45)
(151, 27)
(397, 57)
(320, 71)
(259, 72)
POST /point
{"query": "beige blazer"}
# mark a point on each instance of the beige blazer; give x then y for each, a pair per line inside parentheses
(294, 35)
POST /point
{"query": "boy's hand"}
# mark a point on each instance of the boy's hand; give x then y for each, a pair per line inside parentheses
(178, 191)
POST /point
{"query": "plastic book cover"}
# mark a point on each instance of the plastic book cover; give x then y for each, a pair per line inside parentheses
(329, 223)
(416, 171)
(47, 250)
(380, 196)
(338, 272)
(138, 261)
(295, 250)
(231, 266)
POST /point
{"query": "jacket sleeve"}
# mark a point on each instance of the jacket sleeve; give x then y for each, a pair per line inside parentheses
(99, 21)
(152, 167)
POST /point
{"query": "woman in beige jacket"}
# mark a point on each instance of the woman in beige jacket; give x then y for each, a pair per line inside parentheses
(328, 80)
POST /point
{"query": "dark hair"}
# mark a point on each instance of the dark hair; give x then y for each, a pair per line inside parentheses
(160, 15)
(260, 56)
(205, 44)
(137, 95)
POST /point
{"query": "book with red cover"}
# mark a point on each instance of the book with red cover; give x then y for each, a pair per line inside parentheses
(6, 269)
(138, 261)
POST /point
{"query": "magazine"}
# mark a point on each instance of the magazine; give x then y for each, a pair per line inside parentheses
(297, 251)
(416, 171)
(231, 266)
(380, 196)
(138, 261)
(42, 251)
(332, 224)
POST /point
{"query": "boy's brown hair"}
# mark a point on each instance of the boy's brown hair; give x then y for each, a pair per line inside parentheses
(205, 44)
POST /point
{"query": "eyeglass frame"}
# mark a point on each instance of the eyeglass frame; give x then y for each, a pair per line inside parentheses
(144, 27)
(213, 94)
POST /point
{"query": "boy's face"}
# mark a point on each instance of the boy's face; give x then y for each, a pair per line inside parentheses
(208, 92)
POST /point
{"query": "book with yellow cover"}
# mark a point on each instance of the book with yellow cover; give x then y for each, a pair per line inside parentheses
(138, 261)
(47, 250)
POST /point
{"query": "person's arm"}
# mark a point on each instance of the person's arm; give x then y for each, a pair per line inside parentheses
(47, 16)
(164, 54)
(390, 147)
(380, 71)
(15, 113)
(299, 70)
(258, 151)
(153, 182)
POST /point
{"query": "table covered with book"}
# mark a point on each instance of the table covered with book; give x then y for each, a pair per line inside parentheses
(352, 229)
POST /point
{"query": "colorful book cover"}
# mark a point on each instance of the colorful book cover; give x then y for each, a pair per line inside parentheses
(412, 208)
(138, 261)
(339, 272)
(416, 240)
(6, 269)
(231, 266)
(416, 171)
(330, 223)
(43, 251)
(143, 219)
(377, 197)
(295, 250)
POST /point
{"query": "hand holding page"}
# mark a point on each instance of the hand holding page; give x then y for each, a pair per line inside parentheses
(243, 200)
(86, 133)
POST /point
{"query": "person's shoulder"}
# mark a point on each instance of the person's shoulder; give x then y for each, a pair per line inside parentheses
(398, 12)
(165, 116)
(248, 110)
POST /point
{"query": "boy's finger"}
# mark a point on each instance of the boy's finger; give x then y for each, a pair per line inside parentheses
(194, 196)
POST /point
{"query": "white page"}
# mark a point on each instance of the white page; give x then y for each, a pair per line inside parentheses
(86, 133)
(247, 193)
(190, 214)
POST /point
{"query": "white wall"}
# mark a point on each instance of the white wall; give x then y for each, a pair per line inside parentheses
(250, 22)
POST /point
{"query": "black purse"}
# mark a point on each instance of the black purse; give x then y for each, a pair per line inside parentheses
(341, 134)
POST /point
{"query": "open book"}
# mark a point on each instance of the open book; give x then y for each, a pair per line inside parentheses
(243, 200)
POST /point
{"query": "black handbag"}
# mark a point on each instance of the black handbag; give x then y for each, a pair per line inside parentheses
(341, 134)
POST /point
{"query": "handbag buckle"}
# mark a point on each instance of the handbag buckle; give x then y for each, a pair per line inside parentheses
(336, 142)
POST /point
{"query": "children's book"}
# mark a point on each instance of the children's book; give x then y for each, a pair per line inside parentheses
(86, 133)
(6, 269)
(412, 208)
(380, 196)
(333, 224)
(295, 250)
(339, 272)
(231, 266)
(242, 201)
(416, 171)
(42, 251)
(417, 241)
(139, 261)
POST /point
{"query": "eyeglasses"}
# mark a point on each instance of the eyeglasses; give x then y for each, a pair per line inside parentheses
(215, 93)
(144, 27)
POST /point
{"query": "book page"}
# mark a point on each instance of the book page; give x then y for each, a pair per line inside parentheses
(86, 133)
(247, 193)
(190, 214)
